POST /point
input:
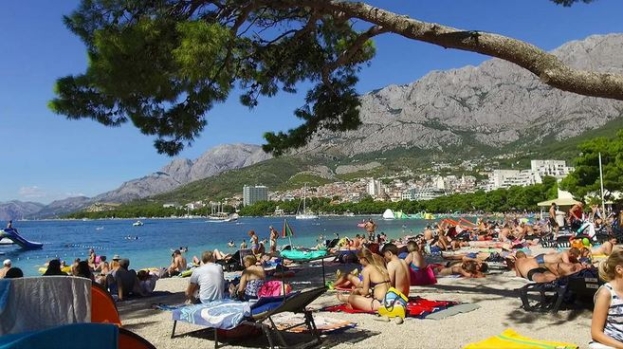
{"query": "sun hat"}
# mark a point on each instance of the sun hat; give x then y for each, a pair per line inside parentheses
(7, 262)
(116, 257)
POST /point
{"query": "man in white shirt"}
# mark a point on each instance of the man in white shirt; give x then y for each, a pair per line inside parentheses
(209, 279)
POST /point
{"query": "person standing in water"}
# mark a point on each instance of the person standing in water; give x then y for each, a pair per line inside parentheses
(370, 227)
(273, 240)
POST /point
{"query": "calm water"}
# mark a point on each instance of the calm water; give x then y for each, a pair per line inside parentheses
(157, 237)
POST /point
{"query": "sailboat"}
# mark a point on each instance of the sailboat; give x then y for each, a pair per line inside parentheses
(220, 215)
(305, 213)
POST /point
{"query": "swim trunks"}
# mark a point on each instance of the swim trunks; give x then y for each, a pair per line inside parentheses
(540, 259)
(531, 272)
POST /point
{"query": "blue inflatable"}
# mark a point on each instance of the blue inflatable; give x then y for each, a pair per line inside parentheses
(12, 234)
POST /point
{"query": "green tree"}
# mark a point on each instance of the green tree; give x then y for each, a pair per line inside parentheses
(164, 64)
(585, 178)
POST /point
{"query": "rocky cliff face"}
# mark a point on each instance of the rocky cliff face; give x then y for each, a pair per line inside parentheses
(495, 103)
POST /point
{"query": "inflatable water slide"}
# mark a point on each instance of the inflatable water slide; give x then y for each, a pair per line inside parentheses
(12, 234)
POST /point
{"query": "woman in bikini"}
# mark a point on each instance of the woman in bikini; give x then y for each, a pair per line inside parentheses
(369, 289)
(419, 271)
(251, 281)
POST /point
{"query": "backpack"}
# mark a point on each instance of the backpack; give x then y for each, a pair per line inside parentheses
(394, 304)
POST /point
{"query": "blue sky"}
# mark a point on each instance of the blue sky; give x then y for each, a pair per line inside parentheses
(47, 157)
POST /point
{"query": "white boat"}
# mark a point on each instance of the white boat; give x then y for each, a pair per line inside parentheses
(305, 213)
(137, 224)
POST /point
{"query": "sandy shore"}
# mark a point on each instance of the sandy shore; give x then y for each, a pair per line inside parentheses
(499, 310)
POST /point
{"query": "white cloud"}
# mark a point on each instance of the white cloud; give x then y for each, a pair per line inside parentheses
(32, 192)
(72, 195)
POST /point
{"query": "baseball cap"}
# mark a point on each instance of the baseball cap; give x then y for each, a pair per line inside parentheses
(116, 257)
(7, 262)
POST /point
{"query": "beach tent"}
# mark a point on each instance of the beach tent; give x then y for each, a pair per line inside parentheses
(559, 202)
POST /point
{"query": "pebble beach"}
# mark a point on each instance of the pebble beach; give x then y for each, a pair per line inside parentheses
(496, 296)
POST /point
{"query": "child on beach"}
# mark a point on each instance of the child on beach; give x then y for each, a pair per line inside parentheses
(606, 327)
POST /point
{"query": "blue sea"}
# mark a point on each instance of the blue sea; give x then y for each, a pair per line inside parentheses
(150, 245)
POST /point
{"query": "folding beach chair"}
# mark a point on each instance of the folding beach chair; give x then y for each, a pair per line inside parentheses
(573, 290)
(261, 317)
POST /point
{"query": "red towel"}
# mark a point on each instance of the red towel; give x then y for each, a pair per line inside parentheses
(417, 307)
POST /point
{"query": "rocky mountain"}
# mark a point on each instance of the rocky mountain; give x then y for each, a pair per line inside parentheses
(181, 171)
(59, 208)
(176, 173)
(18, 210)
(494, 104)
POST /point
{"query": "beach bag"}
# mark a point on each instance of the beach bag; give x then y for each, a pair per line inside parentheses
(422, 277)
(394, 304)
(274, 288)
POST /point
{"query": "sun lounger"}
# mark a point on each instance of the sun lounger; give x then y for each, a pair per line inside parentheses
(228, 314)
(578, 288)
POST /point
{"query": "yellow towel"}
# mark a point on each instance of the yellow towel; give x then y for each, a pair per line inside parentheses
(509, 339)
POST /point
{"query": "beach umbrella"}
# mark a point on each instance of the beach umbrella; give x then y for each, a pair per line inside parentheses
(287, 231)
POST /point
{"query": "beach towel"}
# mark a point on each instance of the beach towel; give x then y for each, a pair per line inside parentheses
(224, 314)
(298, 254)
(416, 307)
(324, 324)
(454, 310)
(509, 339)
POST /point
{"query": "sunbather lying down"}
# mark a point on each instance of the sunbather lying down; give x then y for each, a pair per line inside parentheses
(531, 269)
(470, 268)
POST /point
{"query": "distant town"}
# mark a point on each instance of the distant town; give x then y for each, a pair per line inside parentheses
(397, 188)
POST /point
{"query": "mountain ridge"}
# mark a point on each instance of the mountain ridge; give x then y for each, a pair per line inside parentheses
(473, 110)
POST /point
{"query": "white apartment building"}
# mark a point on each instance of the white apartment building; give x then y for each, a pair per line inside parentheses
(422, 194)
(538, 169)
(375, 188)
(553, 168)
(253, 194)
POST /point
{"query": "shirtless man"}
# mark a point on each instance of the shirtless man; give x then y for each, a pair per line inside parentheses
(356, 244)
(178, 264)
(274, 234)
(428, 234)
(397, 268)
(467, 269)
(370, 227)
(552, 218)
(529, 268)
(570, 256)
